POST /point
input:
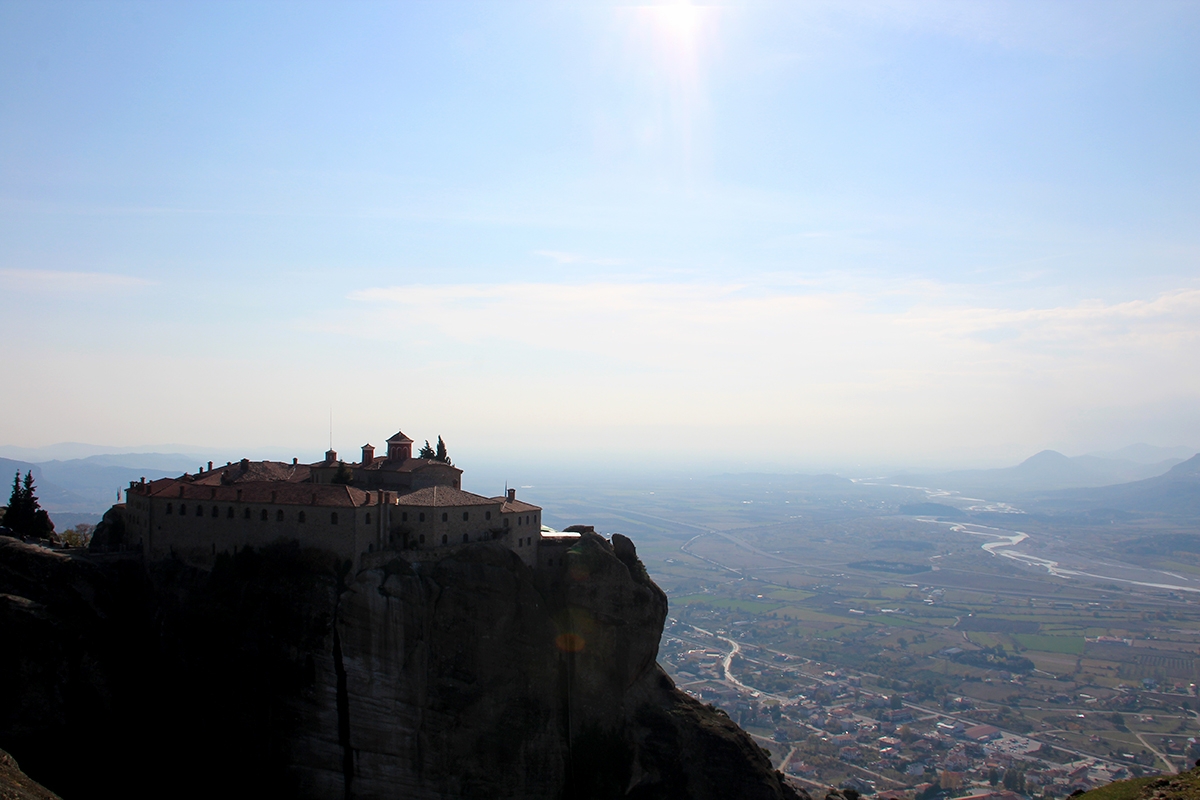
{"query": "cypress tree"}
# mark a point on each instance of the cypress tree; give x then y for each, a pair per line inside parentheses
(343, 475)
(441, 452)
(25, 516)
(427, 451)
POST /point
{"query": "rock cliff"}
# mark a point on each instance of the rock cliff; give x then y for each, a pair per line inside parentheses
(279, 673)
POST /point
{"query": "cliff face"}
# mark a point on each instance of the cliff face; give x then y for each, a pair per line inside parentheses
(279, 674)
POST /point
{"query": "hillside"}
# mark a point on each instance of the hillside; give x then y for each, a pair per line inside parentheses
(1045, 471)
(1184, 786)
(1175, 493)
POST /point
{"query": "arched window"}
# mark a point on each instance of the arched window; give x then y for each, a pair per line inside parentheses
(368, 519)
(182, 510)
(229, 513)
(168, 508)
(422, 539)
(487, 515)
(465, 539)
(216, 511)
(300, 517)
(444, 540)
(421, 517)
(333, 518)
(445, 516)
(279, 515)
(466, 516)
(263, 515)
(246, 514)
(199, 511)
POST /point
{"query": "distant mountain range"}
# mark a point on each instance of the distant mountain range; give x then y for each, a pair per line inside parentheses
(88, 486)
(1050, 470)
(1175, 493)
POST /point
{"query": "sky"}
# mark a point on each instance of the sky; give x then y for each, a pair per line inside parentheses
(735, 236)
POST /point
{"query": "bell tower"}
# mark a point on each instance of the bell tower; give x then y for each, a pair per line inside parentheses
(399, 447)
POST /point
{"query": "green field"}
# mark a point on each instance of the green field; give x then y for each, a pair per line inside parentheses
(1071, 645)
(727, 603)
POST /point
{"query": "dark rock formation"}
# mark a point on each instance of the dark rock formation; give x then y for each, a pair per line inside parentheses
(16, 785)
(280, 674)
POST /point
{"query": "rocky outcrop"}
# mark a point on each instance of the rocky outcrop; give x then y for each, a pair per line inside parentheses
(280, 674)
(16, 785)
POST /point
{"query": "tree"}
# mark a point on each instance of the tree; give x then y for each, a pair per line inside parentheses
(343, 475)
(25, 516)
(79, 536)
(441, 452)
(427, 451)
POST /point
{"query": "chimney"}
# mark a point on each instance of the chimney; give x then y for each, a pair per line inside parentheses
(368, 455)
(143, 481)
(210, 466)
(512, 495)
(245, 464)
(295, 461)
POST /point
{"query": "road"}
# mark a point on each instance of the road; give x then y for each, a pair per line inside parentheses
(1170, 765)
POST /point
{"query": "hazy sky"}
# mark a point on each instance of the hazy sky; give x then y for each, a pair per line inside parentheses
(746, 234)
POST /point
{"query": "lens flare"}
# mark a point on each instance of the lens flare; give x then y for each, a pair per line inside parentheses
(570, 643)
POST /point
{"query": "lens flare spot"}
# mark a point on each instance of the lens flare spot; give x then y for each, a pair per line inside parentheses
(569, 642)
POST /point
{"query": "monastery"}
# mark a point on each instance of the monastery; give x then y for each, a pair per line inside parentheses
(394, 503)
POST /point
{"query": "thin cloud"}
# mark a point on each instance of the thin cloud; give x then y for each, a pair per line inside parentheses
(563, 257)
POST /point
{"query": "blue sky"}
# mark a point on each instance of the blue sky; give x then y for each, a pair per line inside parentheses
(760, 234)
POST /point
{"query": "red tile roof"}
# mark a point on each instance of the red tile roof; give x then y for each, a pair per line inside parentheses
(444, 496)
(255, 471)
(399, 437)
(515, 506)
(394, 465)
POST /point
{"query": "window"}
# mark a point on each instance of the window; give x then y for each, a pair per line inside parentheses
(216, 511)
(229, 513)
(465, 539)
(422, 539)
(445, 517)
(199, 511)
(466, 516)
(368, 520)
(404, 516)
(246, 514)
(168, 508)
(487, 515)
(300, 517)
(422, 517)
(263, 515)
(443, 538)
(333, 518)
(279, 515)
